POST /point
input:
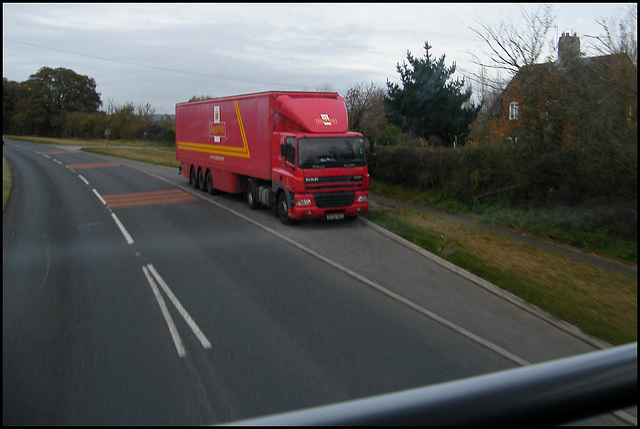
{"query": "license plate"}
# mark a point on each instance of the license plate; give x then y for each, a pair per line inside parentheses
(335, 216)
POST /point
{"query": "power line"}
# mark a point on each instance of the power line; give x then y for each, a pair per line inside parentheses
(150, 66)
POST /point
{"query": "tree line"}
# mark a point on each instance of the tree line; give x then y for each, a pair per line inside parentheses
(429, 111)
(62, 103)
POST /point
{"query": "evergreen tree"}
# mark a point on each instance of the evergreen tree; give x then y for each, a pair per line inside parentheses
(429, 103)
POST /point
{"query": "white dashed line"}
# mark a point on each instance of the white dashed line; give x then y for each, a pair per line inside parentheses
(100, 197)
(86, 182)
(123, 230)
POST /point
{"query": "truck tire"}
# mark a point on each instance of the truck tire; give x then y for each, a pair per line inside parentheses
(193, 180)
(283, 209)
(201, 184)
(252, 199)
(209, 183)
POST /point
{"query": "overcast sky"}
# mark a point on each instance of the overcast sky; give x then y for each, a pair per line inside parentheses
(166, 53)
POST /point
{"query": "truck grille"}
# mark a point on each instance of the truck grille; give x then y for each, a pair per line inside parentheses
(334, 199)
(326, 183)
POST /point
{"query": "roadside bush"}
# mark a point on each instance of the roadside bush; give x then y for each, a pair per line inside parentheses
(440, 164)
(84, 125)
(513, 174)
(160, 132)
(388, 136)
(398, 165)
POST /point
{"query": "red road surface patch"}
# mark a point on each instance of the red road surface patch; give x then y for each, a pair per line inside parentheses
(57, 152)
(92, 165)
(137, 199)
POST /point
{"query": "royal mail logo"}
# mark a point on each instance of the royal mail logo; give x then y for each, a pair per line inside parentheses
(218, 129)
(324, 119)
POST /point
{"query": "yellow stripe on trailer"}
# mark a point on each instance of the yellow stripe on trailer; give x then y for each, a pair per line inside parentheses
(238, 152)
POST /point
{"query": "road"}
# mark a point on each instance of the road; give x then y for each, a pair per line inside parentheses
(130, 298)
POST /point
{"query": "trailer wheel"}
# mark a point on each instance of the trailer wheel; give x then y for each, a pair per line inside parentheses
(283, 209)
(193, 181)
(251, 194)
(201, 184)
(209, 183)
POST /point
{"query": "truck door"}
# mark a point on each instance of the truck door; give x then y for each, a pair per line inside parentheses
(287, 162)
(288, 152)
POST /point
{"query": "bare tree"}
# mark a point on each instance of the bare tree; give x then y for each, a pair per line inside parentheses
(145, 111)
(512, 45)
(488, 88)
(364, 108)
(201, 98)
(325, 87)
(620, 37)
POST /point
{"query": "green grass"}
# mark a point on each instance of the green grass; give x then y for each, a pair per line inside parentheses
(600, 229)
(89, 142)
(600, 302)
(160, 156)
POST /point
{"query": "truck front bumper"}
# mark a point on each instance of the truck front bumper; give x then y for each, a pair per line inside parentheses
(305, 207)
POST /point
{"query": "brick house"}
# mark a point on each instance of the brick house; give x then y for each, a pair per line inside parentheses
(548, 91)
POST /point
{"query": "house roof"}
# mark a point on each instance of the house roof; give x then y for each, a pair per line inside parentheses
(604, 68)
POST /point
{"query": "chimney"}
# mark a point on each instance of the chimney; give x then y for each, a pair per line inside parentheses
(568, 47)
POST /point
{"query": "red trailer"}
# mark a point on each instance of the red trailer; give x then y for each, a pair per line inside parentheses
(290, 150)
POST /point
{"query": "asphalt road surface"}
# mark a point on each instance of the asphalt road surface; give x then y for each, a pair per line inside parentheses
(131, 298)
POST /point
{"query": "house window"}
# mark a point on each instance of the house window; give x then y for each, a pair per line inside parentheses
(513, 110)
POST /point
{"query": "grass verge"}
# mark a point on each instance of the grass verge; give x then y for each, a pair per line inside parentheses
(7, 182)
(89, 143)
(600, 302)
(138, 150)
(159, 156)
(601, 229)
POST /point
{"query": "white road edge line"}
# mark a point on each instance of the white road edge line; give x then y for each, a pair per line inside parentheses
(185, 315)
(439, 319)
(165, 313)
(123, 230)
(99, 197)
(433, 316)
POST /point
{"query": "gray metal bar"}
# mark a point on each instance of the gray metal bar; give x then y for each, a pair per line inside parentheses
(553, 392)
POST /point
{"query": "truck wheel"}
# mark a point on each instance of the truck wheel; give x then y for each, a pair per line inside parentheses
(283, 209)
(193, 180)
(201, 185)
(251, 194)
(209, 183)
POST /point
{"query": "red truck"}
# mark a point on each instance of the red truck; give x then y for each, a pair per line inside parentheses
(289, 150)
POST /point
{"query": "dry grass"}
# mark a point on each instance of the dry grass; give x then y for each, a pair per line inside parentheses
(161, 156)
(599, 301)
(88, 143)
(7, 182)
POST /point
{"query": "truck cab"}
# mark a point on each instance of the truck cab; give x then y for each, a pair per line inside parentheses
(321, 176)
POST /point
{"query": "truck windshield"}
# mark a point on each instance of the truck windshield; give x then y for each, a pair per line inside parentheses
(323, 152)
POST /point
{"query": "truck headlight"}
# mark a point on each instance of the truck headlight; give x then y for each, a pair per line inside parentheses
(303, 202)
(362, 199)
